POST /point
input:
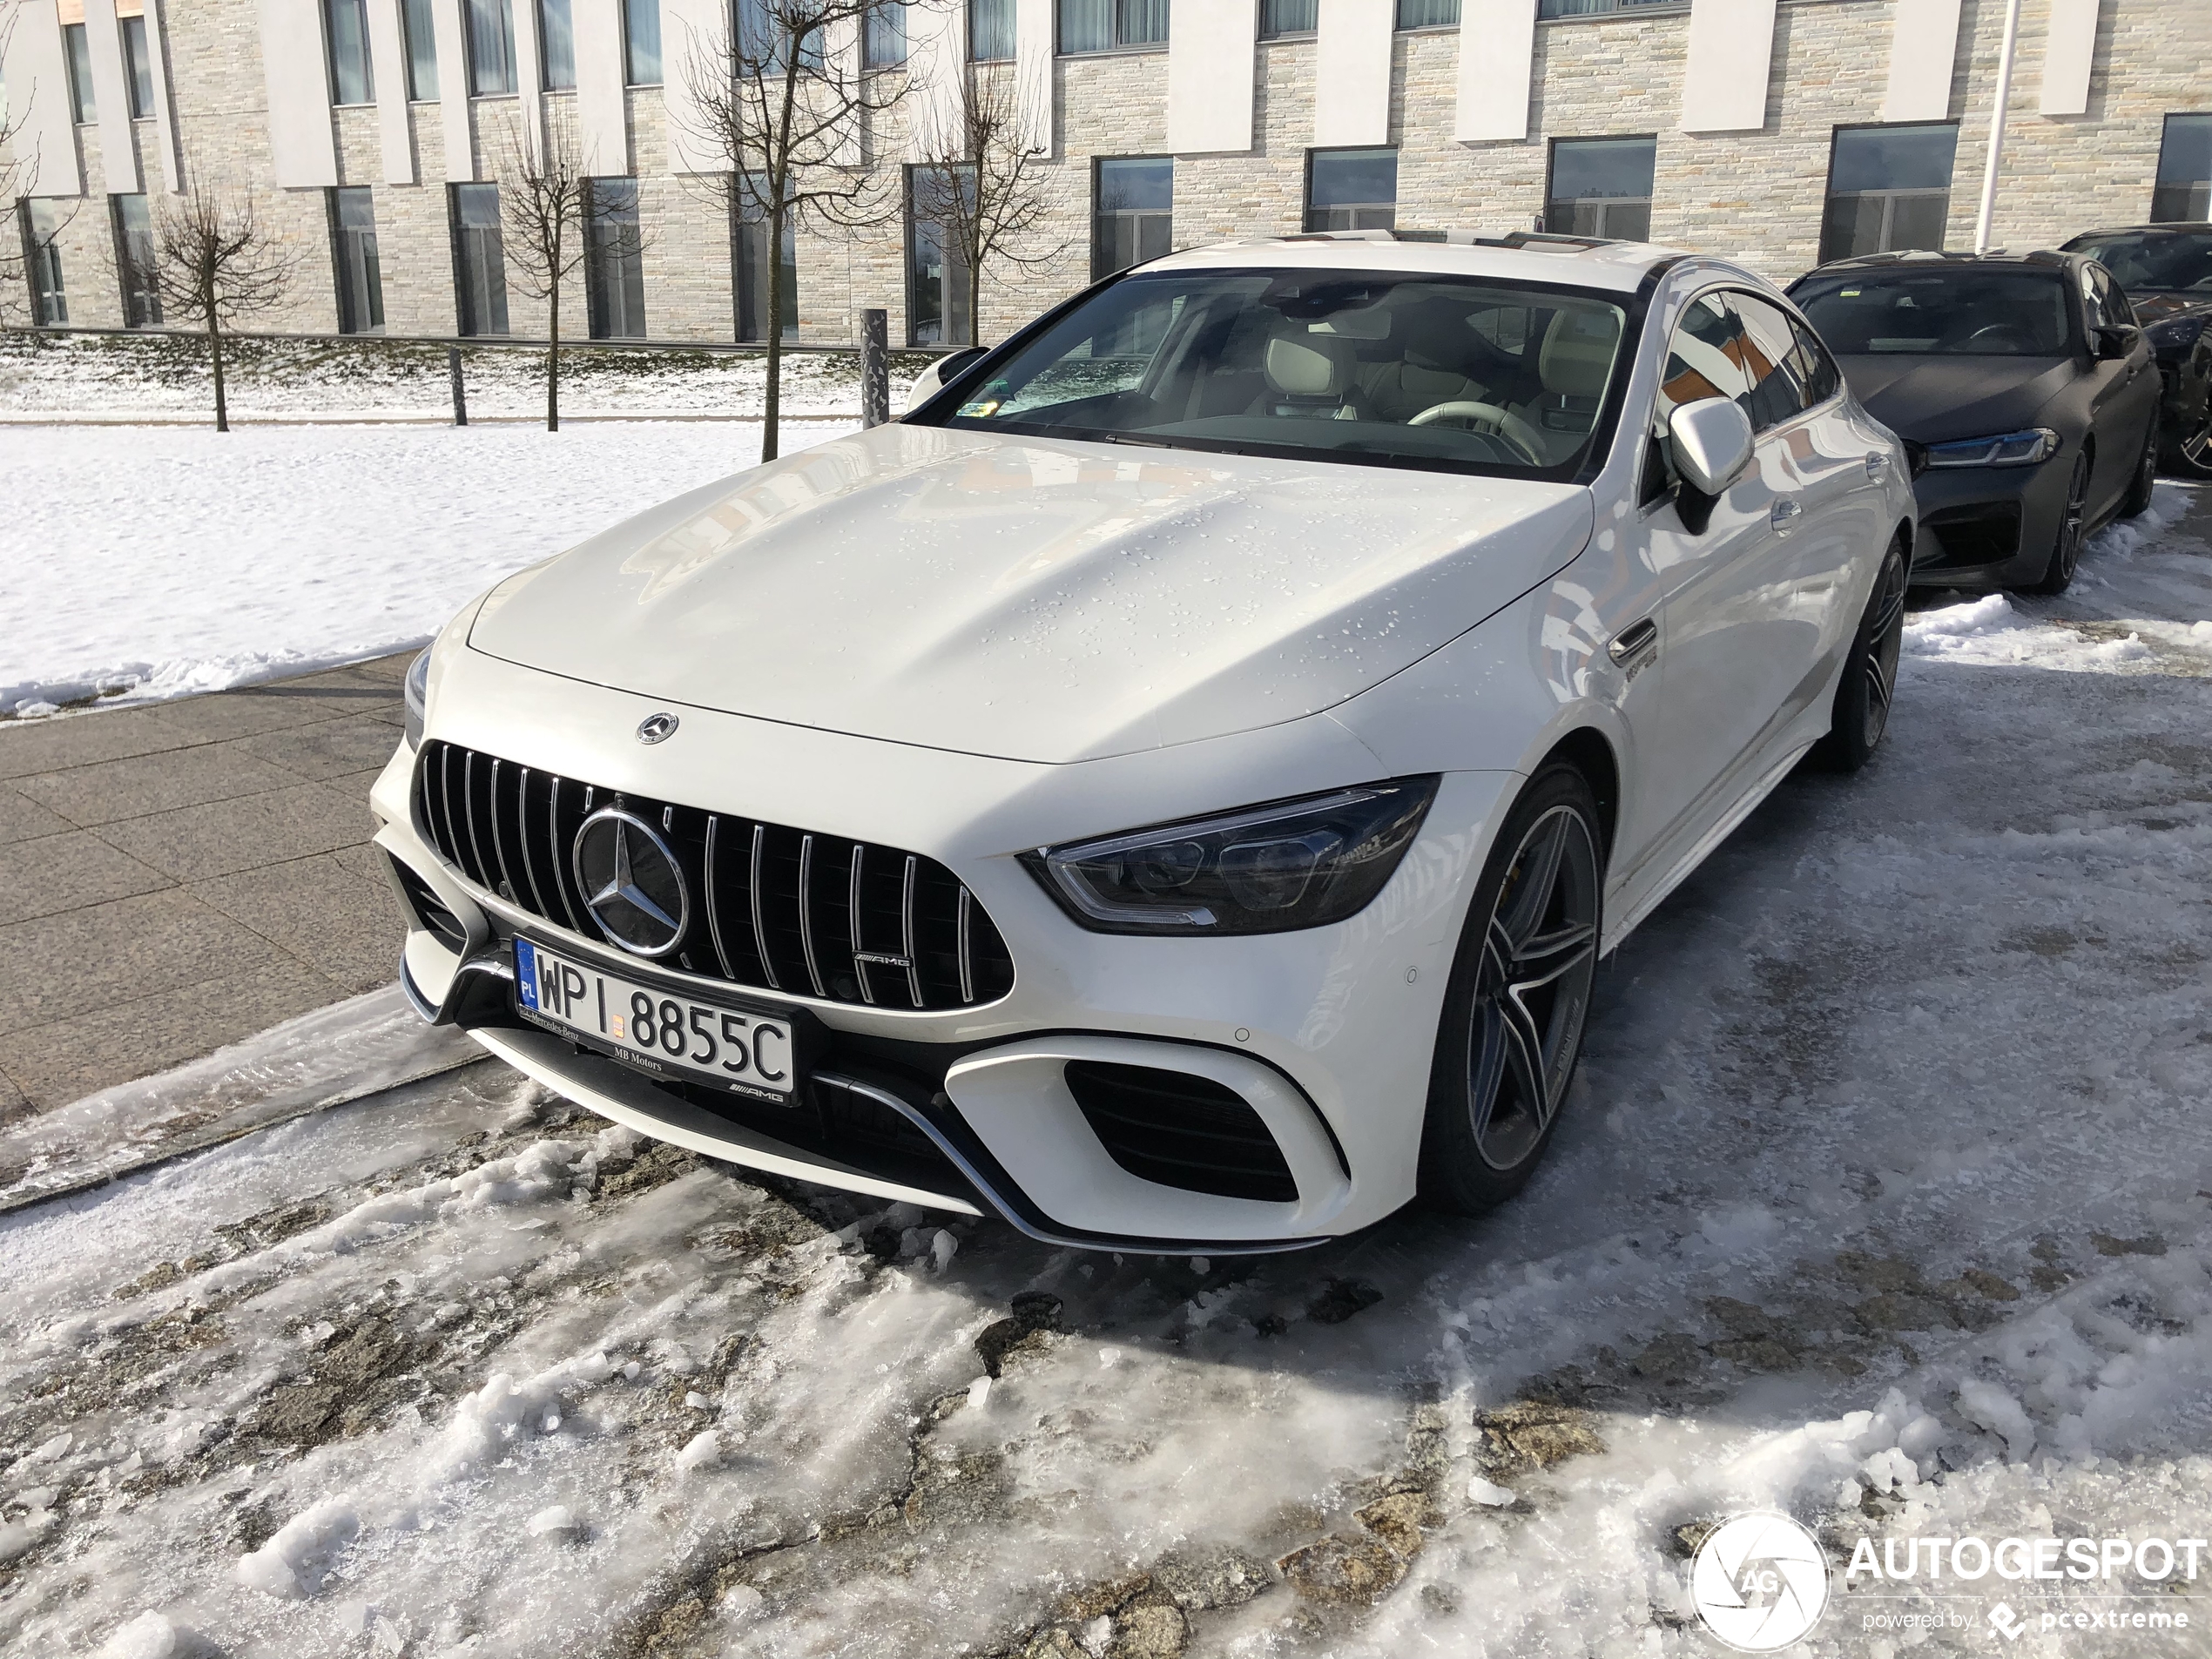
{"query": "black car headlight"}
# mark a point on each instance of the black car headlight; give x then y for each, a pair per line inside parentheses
(1263, 869)
(418, 697)
(2037, 443)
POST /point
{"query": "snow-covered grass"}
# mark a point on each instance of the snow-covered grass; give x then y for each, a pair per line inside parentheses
(104, 376)
(149, 562)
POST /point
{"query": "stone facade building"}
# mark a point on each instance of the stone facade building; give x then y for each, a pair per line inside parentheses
(374, 136)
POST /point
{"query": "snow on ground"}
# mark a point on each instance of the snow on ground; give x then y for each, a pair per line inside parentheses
(78, 376)
(1881, 1198)
(162, 560)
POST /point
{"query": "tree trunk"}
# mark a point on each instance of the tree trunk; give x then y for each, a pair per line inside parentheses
(772, 404)
(975, 297)
(553, 361)
(215, 352)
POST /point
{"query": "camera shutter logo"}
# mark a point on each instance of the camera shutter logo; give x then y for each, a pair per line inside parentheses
(1760, 1583)
(631, 882)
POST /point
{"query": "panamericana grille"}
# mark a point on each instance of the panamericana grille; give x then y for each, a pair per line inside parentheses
(776, 909)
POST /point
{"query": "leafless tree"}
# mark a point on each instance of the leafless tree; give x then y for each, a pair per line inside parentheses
(548, 219)
(781, 105)
(18, 169)
(980, 177)
(215, 264)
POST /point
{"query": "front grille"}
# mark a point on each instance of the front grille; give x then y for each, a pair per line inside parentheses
(1181, 1131)
(778, 909)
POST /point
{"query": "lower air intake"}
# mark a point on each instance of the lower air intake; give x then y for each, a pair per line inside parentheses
(1181, 1131)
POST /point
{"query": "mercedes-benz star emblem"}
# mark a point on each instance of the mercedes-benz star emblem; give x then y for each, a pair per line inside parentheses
(632, 885)
(655, 727)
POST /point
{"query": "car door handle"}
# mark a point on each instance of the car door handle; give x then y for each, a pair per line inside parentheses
(1633, 640)
(1877, 464)
(1785, 514)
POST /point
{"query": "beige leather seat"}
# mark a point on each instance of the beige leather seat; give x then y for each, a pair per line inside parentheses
(1309, 374)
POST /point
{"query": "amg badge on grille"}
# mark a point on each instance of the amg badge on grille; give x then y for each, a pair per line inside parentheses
(655, 727)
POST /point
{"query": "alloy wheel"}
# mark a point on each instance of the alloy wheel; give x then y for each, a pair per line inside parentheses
(2196, 449)
(2077, 510)
(1885, 642)
(1532, 990)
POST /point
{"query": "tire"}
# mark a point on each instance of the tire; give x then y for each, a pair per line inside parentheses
(2136, 502)
(1519, 995)
(1861, 712)
(2065, 546)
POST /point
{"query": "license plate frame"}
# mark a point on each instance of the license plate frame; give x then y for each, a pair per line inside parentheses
(593, 1005)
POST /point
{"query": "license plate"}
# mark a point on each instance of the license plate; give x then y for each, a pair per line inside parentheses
(742, 1051)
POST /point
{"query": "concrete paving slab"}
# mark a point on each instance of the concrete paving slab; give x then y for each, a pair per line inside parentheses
(63, 873)
(328, 749)
(111, 791)
(64, 1060)
(60, 965)
(229, 885)
(197, 842)
(319, 911)
(80, 739)
(24, 819)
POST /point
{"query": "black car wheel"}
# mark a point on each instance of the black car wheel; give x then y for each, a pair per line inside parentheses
(1519, 992)
(2066, 547)
(2136, 503)
(1862, 708)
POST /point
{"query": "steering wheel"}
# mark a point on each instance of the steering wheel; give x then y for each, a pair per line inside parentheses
(1487, 418)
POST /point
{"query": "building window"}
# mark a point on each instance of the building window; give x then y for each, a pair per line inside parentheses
(557, 45)
(360, 283)
(1428, 14)
(1601, 188)
(1588, 8)
(641, 37)
(990, 31)
(614, 262)
(138, 62)
(936, 274)
(82, 109)
(1134, 218)
(1351, 190)
(417, 21)
(1108, 25)
(479, 260)
(2184, 188)
(491, 50)
(749, 253)
(764, 33)
(42, 226)
(1889, 187)
(134, 262)
(885, 41)
(1278, 18)
(347, 34)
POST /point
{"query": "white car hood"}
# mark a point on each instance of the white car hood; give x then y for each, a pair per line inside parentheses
(1034, 599)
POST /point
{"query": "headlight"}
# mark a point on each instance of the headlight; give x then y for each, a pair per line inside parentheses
(418, 695)
(1262, 870)
(2006, 449)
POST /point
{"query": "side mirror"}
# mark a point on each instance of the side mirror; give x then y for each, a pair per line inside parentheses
(934, 378)
(1712, 443)
(2113, 344)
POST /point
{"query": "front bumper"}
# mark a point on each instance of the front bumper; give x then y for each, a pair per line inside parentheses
(1325, 1035)
(1989, 527)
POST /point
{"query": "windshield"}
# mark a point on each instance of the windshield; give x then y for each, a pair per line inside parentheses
(1971, 313)
(2166, 262)
(1417, 371)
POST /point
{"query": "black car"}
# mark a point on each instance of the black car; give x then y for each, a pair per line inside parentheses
(2167, 270)
(2023, 388)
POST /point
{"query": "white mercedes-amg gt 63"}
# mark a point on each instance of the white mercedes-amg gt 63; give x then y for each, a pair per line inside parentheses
(1172, 790)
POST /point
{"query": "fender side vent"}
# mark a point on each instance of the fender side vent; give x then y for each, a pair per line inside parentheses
(1181, 1131)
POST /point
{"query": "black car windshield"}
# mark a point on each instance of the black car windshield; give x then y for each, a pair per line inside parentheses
(2154, 261)
(1956, 312)
(1434, 372)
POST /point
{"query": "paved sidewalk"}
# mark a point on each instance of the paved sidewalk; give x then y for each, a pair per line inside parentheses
(184, 875)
